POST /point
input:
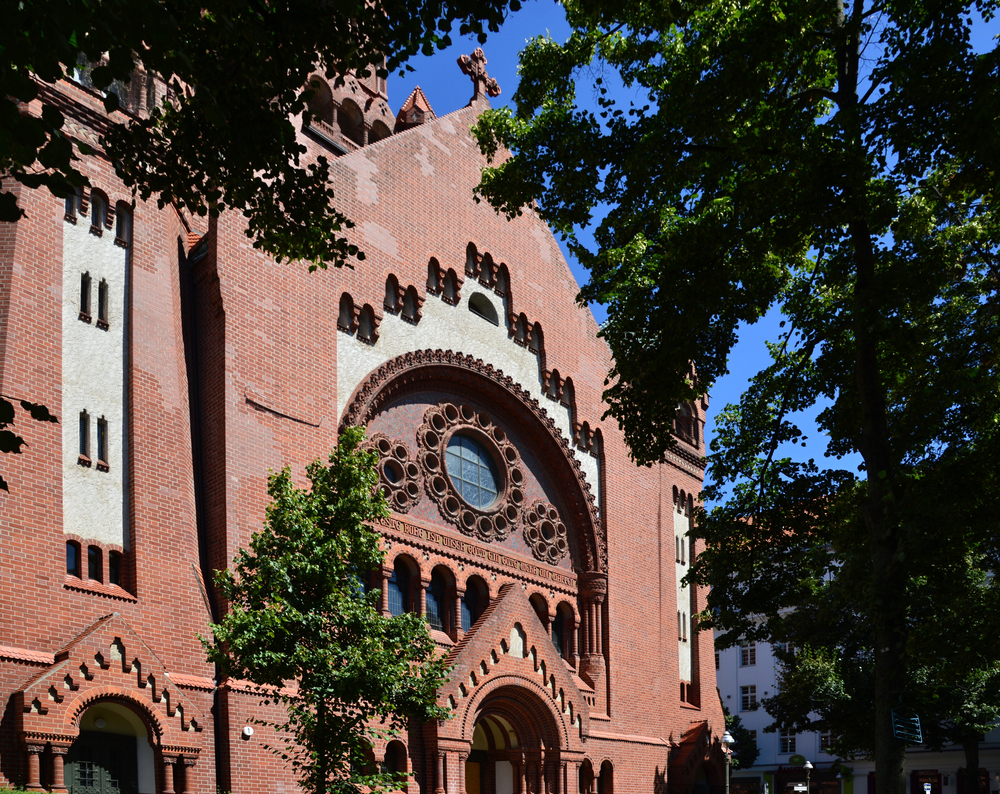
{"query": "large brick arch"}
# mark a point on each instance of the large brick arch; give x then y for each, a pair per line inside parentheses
(143, 709)
(524, 704)
(420, 369)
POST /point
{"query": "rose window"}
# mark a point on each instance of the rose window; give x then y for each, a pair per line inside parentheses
(471, 470)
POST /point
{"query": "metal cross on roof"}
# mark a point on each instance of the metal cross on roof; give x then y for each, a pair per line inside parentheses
(475, 66)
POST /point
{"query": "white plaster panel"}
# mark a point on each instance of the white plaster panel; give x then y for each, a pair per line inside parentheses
(456, 328)
(681, 526)
(93, 379)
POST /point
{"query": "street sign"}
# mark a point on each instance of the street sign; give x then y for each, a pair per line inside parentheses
(927, 788)
(799, 787)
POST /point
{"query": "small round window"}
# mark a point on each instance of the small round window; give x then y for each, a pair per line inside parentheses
(471, 470)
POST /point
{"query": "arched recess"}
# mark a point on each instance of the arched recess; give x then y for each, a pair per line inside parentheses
(519, 703)
(414, 372)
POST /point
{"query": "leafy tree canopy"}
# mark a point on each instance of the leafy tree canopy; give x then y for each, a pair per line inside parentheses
(301, 626)
(837, 160)
(238, 73)
(744, 749)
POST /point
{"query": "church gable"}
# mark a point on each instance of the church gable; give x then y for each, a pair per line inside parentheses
(108, 661)
(508, 644)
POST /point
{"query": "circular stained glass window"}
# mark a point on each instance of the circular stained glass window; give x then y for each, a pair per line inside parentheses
(471, 470)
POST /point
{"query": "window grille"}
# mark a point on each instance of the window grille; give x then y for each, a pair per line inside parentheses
(748, 697)
(787, 741)
(748, 654)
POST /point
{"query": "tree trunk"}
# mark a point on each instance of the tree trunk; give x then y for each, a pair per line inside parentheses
(970, 744)
(887, 612)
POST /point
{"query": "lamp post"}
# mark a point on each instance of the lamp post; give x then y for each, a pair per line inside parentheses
(808, 767)
(727, 742)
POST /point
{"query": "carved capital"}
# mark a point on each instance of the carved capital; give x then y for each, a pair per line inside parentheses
(593, 585)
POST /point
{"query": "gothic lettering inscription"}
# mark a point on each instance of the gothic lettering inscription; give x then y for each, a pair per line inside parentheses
(475, 550)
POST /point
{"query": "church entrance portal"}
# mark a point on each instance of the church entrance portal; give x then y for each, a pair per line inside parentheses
(112, 754)
(515, 747)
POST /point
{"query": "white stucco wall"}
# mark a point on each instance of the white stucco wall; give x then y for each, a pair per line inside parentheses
(682, 523)
(93, 379)
(456, 328)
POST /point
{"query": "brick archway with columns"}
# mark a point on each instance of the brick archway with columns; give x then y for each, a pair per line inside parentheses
(106, 663)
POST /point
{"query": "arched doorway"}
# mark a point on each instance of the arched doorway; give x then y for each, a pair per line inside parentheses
(515, 745)
(113, 753)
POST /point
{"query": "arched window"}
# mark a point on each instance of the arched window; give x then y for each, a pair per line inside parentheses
(98, 212)
(562, 626)
(123, 224)
(476, 597)
(395, 758)
(85, 297)
(481, 305)
(321, 102)
(399, 588)
(411, 305)
(541, 608)
(345, 319)
(102, 304)
(115, 568)
(606, 782)
(449, 291)
(73, 204)
(351, 122)
(379, 132)
(85, 437)
(365, 325)
(73, 558)
(391, 300)
(438, 613)
(94, 563)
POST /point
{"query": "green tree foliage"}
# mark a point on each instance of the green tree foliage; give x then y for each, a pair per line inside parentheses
(744, 749)
(238, 72)
(301, 627)
(837, 160)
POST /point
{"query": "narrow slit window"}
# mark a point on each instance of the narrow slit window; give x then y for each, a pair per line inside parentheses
(102, 441)
(94, 563)
(85, 437)
(98, 214)
(123, 224)
(102, 304)
(72, 559)
(85, 297)
(115, 568)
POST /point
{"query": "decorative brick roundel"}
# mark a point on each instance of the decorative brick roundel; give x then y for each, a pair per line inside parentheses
(398, 475)
(496, 521)
(545, 533)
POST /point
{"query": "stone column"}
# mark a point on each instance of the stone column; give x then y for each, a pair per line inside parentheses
(457, 617)
(422, 596)
(59, 767)
(462, 758)
(34, 766)
(168, 773)
(574, 650)
(189, 775)
(440, 783)
(384, 602)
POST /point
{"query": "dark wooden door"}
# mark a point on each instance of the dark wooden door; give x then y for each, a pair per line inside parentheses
(102, 763)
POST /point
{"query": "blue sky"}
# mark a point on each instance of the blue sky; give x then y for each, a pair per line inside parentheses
(448, 89)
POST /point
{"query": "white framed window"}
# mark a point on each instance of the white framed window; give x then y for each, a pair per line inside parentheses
(748, 654)
(787, 742)
(825, 740)
(748, 697)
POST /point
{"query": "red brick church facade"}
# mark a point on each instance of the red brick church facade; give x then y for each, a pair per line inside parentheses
(183, 365)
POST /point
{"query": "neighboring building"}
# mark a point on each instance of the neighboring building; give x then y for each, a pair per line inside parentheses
(749, 672)
(184, 365)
